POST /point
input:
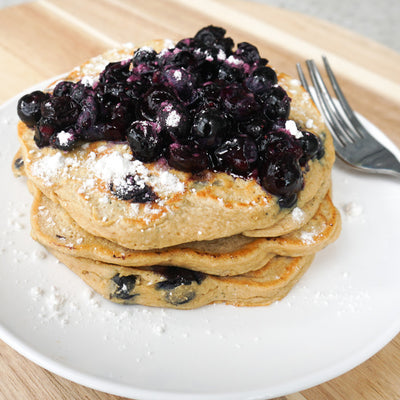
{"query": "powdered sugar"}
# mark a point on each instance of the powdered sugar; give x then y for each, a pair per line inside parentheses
(64, 137)
(298, 215)
(48, 167)
(114, 167)
(173, 119)
(352, 209)
(308, 237)
(232, 60)
(291, 126)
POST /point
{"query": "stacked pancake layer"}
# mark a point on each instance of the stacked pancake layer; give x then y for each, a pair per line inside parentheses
(209, 237)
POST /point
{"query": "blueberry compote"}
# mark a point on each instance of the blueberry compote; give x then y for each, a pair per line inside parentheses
(200, 105)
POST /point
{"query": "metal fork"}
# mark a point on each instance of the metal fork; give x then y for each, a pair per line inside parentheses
(353, 143)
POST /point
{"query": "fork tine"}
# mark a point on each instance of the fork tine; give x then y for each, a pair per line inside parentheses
(329, 110)
(303, 80)
(359, 128)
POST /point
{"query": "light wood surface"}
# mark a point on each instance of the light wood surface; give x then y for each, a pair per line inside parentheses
(45, 38)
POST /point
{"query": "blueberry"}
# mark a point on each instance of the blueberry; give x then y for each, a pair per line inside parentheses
(18, 163)
(115, 72)
(144, 55)
(278, 142)
(247, 52)
(64, 140)
(145, 140)
(121, 117)
(188, 158)
(255, 127)
(184, 59)
(225, 44)
(208, 35)
(281, 175)
(176, 276)
(173, 119)
(230, 74)
(238, 102)
(28, 107)
(209, 126)
(211, 91)
(44, 129)
(63, 88)
(129, 189)
(103, 131)
(88, 114)
(310, 144)
(276, 103)
(261, 80)
(62, 110)
(207, 71)
(124, 286)
(180, 81)
(79, 92)
(237, 155)
(287, 201)
(152, 100)
(186, 44)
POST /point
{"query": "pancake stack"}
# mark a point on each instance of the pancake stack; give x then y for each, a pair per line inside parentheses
(193, 237)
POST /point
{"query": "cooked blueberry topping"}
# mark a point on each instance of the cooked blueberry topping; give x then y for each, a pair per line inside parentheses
(210, 126)
(176, 276)
(144, 55)
(61, 110)
(310, 145)
(44, 129)
(189, 158)
(129, 189)
(124, 286)
(261, 80)
(276, 103)
(282, 175)
(145, 140)
(209, 35)
(237, 155)
(199, 105)
(64, 140)
(63, 88)
(152, 101)
(173, 119)
(29, 107)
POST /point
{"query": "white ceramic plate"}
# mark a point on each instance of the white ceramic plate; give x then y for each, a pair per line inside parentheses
(345, 309)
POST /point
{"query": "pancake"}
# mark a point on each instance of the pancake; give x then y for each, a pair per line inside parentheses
(174, 175)
(55, 229)
(180, 288)
(189, 207)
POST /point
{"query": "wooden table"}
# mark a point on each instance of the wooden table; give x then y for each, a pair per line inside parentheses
(42, 39)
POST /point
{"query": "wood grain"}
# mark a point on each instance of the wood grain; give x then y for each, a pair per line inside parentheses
(50, 37)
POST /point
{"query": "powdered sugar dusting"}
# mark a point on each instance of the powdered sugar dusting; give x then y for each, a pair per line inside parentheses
(114, 167)
(291, 126)
(64, 137)
(298, 215)
(48, 167)
(308, 237)
(173, 119)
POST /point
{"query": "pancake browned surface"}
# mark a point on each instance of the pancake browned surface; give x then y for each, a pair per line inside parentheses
(214, 234)
(180, 288)
(234, 255)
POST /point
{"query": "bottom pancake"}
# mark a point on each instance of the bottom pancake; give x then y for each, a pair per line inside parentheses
(180, 288)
